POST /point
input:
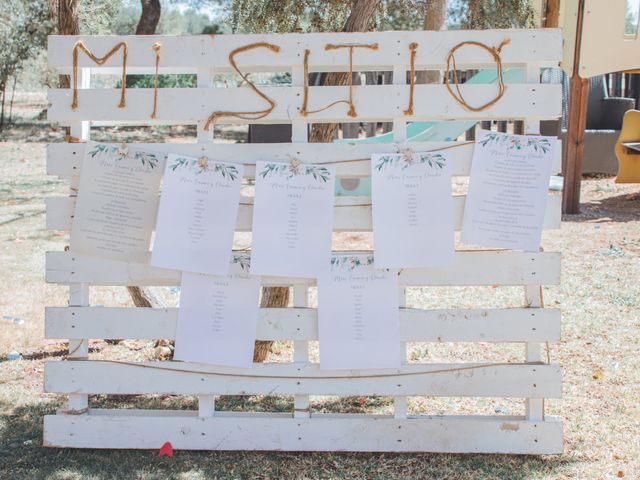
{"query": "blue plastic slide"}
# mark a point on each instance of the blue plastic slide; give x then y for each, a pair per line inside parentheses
(425, 131)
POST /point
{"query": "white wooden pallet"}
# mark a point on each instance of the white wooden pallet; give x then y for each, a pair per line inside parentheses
(532, 379)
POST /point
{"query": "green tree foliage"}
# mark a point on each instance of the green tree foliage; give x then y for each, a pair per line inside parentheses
(24, 26)
(481, 14)
(253, 16)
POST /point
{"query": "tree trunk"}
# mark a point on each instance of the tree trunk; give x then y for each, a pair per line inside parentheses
(64, 14)
(435, 15)
(358, 21)
(551, 13)
(13, 94)
(272, 297)
(4, 94)
(149, 17)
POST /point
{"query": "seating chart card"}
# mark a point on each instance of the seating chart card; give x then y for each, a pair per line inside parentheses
(117, 202)
(358, 315)
(217, 319)
(292, 219)
(508, 189)
(412, 210)
(197, 215)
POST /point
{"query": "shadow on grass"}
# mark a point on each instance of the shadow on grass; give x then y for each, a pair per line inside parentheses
(23, 457)
(621, 208)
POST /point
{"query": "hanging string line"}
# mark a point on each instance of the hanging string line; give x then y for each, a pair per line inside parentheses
(302, 377)
(330, 46)
(99, 61)
(156, 48)
(451, 68)
(255, 115)
(412, 79)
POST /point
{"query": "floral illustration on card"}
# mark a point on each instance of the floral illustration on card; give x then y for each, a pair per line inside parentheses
(294, 169)
(244, 261)
(202, 165)
(122, 152)
(404, 161)
(516, 143)
(350, 263)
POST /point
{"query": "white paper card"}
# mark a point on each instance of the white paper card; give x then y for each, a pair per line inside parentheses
(117, 202)
(197, 215)
(358, 316)
(508, 189)
(217, 318)
(412, 210)
(292, 219)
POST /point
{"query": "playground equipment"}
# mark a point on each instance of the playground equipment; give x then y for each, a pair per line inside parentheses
(628, 149)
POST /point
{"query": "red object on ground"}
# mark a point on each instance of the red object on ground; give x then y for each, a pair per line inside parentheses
(166, 450)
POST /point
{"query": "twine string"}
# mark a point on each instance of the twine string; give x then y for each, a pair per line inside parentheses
(495, 53)
(412, 80)
(79, 45)
(156, 48)
(302, 377)
(253, 115)
(330, 46)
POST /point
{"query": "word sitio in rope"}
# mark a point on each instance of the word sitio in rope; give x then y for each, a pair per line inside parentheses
(346, 78)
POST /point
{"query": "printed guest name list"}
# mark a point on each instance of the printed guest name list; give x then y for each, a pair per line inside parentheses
(197, 215)
(292, 219)
(117, 202)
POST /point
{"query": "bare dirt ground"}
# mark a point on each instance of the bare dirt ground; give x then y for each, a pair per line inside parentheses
(599, 297)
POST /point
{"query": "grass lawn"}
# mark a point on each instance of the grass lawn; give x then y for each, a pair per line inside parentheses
(599, 297)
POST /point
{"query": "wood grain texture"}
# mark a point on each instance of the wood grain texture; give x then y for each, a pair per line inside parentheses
(500, 267)
(416, 325)
(322, 432)
(181, 378)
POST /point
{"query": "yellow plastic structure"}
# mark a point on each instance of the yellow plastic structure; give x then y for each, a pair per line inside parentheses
(628, 159)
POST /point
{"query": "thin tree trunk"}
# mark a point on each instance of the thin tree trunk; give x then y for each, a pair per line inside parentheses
(149, 18)
(4, 94)
(13, 94)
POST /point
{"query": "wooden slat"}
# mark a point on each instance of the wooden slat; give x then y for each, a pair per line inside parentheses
(185, 54)
(478, 325)
(351, 214)
(321, 432)
(477, 380)
(500, 267)
(373, 103)
(65, 159)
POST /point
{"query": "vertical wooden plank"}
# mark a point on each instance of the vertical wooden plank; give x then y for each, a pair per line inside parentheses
(299, 126)
(399, 123)
(533, 293)
(206, 406)
(534, 406)
(300, 352)
(400, 403)
(204, 80)
(79, 293)
(400, 135)
(206, 403)
(574, 144)
(299, 134)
